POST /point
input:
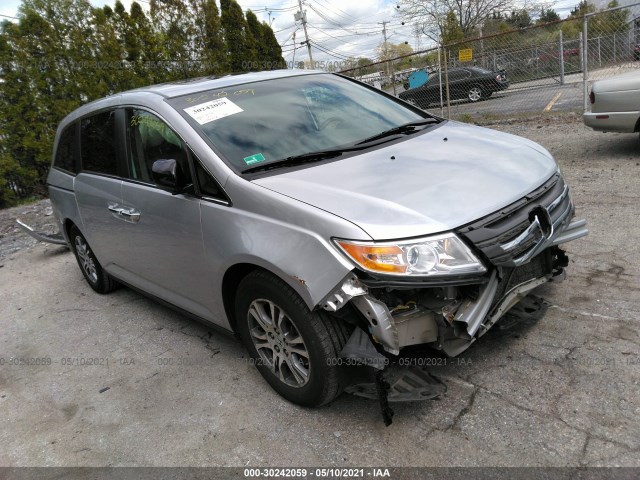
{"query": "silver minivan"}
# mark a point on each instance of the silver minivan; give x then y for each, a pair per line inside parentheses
(323, 221)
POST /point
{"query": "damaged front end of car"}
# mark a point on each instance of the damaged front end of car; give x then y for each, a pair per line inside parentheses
(446, 291)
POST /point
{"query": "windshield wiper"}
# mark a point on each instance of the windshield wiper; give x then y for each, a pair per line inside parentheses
(336, 152)
(410, 127)
(306, 158)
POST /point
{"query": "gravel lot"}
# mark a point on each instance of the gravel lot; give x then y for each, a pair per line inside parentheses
(562, 391)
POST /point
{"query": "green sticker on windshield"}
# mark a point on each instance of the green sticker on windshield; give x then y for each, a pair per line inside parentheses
(257, 158)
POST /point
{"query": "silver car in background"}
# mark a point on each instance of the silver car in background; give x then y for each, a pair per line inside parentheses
(319, 219)
(615, 104)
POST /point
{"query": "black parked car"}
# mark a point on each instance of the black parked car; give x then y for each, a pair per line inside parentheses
(636, 51)
(471, 83)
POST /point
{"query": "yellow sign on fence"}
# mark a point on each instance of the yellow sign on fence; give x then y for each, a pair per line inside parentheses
(465, 55)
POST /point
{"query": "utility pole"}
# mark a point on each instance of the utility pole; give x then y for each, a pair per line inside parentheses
(386, 45)
(303, 17)
(386, 54)
(294, 50)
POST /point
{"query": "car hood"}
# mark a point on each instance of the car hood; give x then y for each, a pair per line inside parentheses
(435, 181)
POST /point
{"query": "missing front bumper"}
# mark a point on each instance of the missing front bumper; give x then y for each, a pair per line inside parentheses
(459, 319)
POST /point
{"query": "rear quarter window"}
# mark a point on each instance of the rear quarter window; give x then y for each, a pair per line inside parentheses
(65, 157)
(97, 143)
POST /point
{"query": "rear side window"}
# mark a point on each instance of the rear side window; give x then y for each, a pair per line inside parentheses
(97, 143)
(65, 154)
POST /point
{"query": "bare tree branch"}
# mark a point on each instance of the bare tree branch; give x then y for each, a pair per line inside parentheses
(432, 13)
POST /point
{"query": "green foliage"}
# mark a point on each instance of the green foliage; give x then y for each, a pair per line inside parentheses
(610, 22)
(63, 53)
(519, 19)
(451, 30)
(235, 28)
(272, 49)
(547, 15)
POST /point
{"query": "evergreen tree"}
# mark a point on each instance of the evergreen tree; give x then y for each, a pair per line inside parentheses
(451, 30)
(210, 43)
(519, 19)
(235, 27)
(256, 47)
(177, 35)
(273, 51)
(548, 15)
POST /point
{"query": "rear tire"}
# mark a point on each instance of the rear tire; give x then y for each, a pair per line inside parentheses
(93, 272)
(293, 348)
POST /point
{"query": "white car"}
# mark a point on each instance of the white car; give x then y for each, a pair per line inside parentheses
(615, 104)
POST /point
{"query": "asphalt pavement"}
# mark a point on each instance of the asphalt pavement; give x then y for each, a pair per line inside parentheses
(93, 380)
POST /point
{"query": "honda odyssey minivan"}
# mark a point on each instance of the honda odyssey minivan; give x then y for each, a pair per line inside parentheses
(317, 218)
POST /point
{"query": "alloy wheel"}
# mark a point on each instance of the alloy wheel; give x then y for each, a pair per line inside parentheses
(279, 343)
(475, 94)
(86, 260)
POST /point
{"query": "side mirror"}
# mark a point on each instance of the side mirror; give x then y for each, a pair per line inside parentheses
(168, 175)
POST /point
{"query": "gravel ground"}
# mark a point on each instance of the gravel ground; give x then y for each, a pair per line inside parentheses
(562, 391)
(38, 215)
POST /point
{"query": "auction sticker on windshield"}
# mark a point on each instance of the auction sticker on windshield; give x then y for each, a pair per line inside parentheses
(214, 110)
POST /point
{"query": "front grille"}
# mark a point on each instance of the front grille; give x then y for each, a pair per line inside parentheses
(498, 228)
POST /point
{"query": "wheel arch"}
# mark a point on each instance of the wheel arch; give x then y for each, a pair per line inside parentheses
(234, 275)
(68, 224)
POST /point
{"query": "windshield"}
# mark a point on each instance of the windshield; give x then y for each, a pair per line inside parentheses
(267, 121)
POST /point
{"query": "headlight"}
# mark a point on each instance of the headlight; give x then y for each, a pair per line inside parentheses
(432, 256)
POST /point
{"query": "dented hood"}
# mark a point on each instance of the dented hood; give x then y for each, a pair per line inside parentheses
(435, 181)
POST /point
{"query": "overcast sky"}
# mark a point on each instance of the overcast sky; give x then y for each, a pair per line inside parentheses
(337, 28)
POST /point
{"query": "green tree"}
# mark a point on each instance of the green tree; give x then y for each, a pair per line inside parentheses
(255, 46)
(210, 42)
(582, 9)
(519, 19)
(177, 34)
(495, 23)
(63, 53)
(235, 29)
(547, 15)
(364, 66)
(273, 49)
(451, 30)
(45, 75)
(607, 23)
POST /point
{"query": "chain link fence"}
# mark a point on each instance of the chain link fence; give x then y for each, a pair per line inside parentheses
(541, 68)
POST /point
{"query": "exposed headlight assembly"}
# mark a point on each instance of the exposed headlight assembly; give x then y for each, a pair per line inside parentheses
(439, 255)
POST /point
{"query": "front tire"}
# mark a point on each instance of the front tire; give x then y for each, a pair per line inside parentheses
(293, 348)
(475, 93)
(93, 272)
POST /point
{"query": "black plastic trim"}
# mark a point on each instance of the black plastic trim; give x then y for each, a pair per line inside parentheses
(381, 281)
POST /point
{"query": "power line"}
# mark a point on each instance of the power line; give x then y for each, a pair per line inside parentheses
(329, 52)
(344, 36)
(286, 28)
(343, 14)
(257, 8)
